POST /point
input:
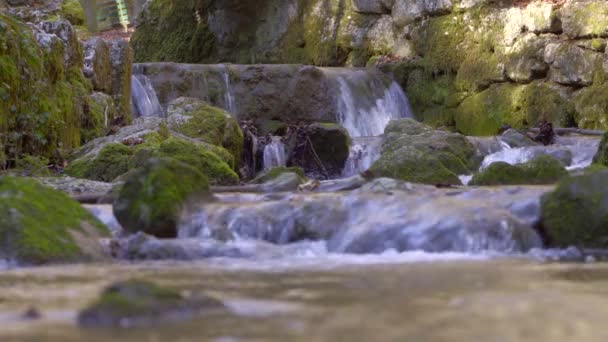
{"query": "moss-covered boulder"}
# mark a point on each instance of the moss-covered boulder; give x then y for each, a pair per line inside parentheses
(154, 196)
(213, 125)
(414, 152)
(138, 303)
(108, 158)
(541, 170)
(601, 157)
(42, 88)
(197, 156)
(576, 213)
(39, 225)
(97, 64)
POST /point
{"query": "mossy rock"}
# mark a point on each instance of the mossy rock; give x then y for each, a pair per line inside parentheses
(276, 172)
(542, 170)
(414, 152)
(154, 196)
(42, 96)
(576, 213)
(213, 125)
(39, 225)
(138, 303)
(198, 157)
(519, 106)
(72, 10)
(166, 33)
(601, 157)
(591, 105)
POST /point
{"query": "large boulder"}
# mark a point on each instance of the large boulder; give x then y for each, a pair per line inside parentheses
(197, 119)
(576, 213)
(543, 169)
(108, 158)
(414, 152)
(155, 195)
(40, 225)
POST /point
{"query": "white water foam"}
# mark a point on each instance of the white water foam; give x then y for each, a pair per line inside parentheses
(363, 153)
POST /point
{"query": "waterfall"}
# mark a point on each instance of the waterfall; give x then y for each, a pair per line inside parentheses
(274, 154)
(368, 101)
(229, 100)
(143, 98)
(363, 153)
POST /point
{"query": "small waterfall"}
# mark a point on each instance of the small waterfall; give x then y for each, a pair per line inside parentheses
(143, 98)
(363, 153)
(574, 152)
(367, 101)
(229, 99)
(274, 154)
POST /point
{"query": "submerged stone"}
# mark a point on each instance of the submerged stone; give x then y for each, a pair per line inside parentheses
(138, 303)
(154, 196)
(40, 225)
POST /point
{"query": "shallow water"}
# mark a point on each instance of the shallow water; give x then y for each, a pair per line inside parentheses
(322, 300)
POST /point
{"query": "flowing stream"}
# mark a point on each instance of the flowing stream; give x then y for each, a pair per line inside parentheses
(274, 154)
(144, 100)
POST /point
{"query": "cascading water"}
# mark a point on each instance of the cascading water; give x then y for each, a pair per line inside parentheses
(367, 101)
(364, 152)
(229, 99)
(144, 100)
(274, 154)
(575, 152)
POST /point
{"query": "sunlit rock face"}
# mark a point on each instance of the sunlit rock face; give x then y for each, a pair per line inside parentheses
(461, 48)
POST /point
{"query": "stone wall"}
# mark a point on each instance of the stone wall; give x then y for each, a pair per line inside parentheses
(471, 64)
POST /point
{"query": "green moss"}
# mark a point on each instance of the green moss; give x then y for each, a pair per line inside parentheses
(517, 105)
(170, 31)
(33, 166)
(40, 225)
(212, 125)
(72, 10)
(153, 196)
(575, 213)
(42, 102)
(589, 19)
(601, 157)
(541, 170)
(591, 104)
(479, 70)
(200, 158)
(414, 152)
(275, 172)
